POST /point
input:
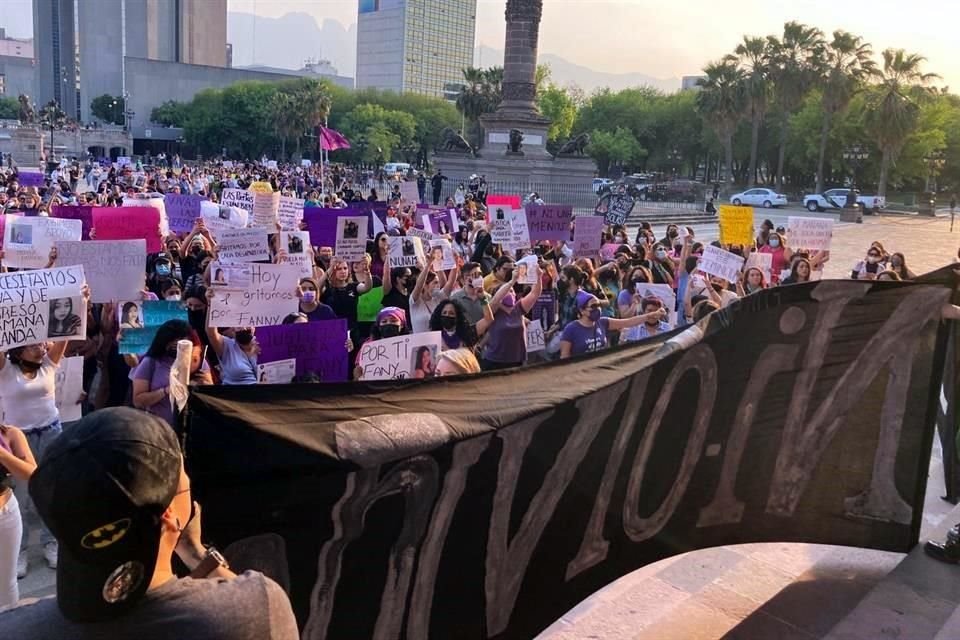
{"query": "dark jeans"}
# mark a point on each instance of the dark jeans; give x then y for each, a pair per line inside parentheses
(436, 197)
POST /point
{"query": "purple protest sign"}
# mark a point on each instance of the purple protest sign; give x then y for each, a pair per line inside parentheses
(182, 211)
(319, 347)
(549, 222)
(544, 310)
(322, 222)
(30, 178)
(76, 212)
(443, 222)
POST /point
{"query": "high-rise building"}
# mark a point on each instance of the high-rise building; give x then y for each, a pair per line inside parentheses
(17, 68)
(81, 44)
(415, 46)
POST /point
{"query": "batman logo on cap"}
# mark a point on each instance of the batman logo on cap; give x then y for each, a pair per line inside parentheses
(106, 535)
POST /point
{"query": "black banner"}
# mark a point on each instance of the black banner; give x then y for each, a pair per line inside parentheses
(487, 506)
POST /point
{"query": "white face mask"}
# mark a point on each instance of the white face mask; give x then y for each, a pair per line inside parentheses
(477, 283)
(174, 297)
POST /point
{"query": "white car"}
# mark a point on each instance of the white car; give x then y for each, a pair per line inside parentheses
(766, 198)
(837, 199)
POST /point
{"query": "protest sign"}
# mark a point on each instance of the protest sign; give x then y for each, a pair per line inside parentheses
(408, 191)
(508, 202)
(272, 164)
(762, 261)
(267, 300)
(68, 389)
(82, 213)
(218, 218)
(290, 213)
(351, 242)
(265, 210)
(295, 250)
(720, 263)
(441, 255)
(277, 372)
(27, 241)
(182, 209)
(414, 232)
(545, 309)
(43, 304)
(521, 233)
(812, 234)
(501, 227)
(235, 275)
(615, 208)
(736, 224)
(129, 223)
(30, 178)
(239, 198)
(413, 356)
(443, 222)
(369, 305)
(123, 161)
(114, 269)
(319, 348)
(261, 187)
(587, 235)
(549, 222)
(528, 270)
(155, 312)
(243, 245)
(664, 293)
(405, 252)
(536, 341)
(322, 223)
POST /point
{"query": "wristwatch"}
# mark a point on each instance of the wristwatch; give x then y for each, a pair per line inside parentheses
(212, 561)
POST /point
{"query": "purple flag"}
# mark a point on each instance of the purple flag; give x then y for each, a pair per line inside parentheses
(549, 222)
(76, 212)
(182, 211)
(30, 179)
(319, 347)
(331, 139)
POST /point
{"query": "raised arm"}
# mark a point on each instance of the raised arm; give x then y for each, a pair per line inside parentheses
(529, 300)
(213, 335)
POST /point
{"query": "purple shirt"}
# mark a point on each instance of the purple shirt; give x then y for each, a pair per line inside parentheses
(157, 375)
(507, 337)
(322, 312)
(586, 339)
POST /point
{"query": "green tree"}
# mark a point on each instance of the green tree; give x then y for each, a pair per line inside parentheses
(171, 113)
(282, 110)
(617, 148)
(794, 69)
(384, 131)
(721, 102)
(849, 66)
(9, 108)
(108, 108)
(894, 106)
(555, 103)
(753, 55)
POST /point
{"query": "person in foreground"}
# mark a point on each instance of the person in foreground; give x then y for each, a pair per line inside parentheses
(113, 490)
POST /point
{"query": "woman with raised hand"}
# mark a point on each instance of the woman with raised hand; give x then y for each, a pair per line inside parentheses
(588, 333)
(506, 345)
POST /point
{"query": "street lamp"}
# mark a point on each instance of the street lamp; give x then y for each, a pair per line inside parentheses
(854, 155)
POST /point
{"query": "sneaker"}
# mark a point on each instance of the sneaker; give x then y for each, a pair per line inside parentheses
(50, 554)
(22, 565)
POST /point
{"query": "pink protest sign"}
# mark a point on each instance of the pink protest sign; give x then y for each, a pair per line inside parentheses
(129, 223)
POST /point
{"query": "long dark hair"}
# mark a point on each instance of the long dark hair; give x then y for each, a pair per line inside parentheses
(465, 330)
(168, 332)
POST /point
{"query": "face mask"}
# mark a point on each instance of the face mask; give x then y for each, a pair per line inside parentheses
(873, 259)
(661, 255)
(673, 234)
(594, 315)
(163, 270)
(389, 330)
(449, 323)
(509, 301)
(411, 282)
(174, 297)
(309, 297)
(897, 262)
(244, 337)
(477, 283)
(774, 242)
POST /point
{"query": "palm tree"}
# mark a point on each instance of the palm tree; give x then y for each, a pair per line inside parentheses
(753, 57)
(721, 102)
(480, 94)
(848, 67)
(312, 107)
(794, 64)
(281, 113)
(894, 106)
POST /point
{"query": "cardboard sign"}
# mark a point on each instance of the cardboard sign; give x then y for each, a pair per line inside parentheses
(441, 255)
(409, 192)
(762, 261)
(114, 268)
(813, 234)
(351, 242)
(235, 275)
(82, 213)
(277, 372)
(413, 232)
(155, 312)
(528, 270)
(587, 236)
(261, 187)
(549, 222)
(545, 309)
(369, 305)
(536, 341)
(295, 250)
(615, 208)
(521, 233)
(412, 356)
(129, 223)
(182, 211)
(68, 389)
(270, 297)
(664, 293)
(239, 198)
(243, 245)
(720, 263)
(318, 347)
(405, 252)
(290, 213)
(27, 241)
(265, 210)
(44, 304)
(219, 217)
(736, 224)
(443, 222)
(30, 178)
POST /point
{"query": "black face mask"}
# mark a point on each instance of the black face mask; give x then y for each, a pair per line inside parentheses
(389, 331)
(244, 337)
(197, 318)
(449, 323)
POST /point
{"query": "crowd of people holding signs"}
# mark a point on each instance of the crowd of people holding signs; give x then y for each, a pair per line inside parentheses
(242, 274)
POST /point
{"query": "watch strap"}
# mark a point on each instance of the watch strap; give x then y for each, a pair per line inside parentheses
(212, 561)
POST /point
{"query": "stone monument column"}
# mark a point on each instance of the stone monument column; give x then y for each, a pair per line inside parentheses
(520, 56)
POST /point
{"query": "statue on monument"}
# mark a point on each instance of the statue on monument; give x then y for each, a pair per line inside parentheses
(27, 115)
(577, 145)
(453, 141)
(516, 141)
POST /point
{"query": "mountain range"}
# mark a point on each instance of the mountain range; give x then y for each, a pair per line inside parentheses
(288, 41)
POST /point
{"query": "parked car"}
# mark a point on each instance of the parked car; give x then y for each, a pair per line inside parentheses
(600, 183)
(837, 199)
(766, 198)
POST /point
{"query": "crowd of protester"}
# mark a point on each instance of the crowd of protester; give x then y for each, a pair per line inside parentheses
(480, 307)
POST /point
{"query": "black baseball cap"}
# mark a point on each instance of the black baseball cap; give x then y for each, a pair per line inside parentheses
(102, 487)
